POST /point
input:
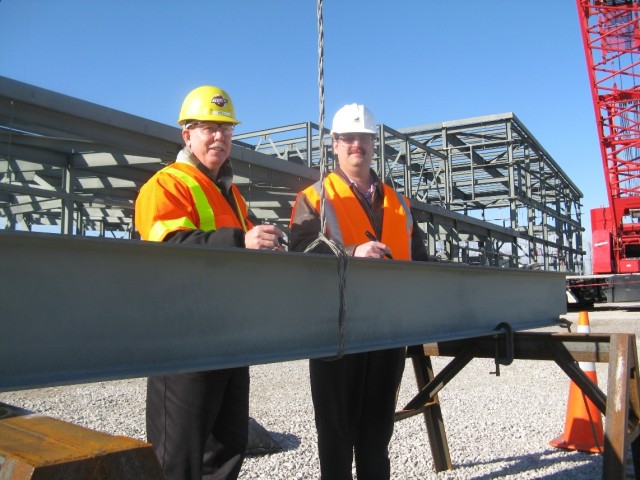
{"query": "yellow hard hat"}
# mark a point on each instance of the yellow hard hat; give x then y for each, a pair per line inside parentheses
(207, 104)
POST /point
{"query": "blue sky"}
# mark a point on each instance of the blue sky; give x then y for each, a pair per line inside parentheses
(413, 62)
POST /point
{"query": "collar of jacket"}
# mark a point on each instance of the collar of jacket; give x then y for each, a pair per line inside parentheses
(374, 180)
(225, 174)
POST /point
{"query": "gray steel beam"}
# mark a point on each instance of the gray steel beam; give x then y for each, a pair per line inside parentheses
(440, 216)
(78, 309)
(24, 106)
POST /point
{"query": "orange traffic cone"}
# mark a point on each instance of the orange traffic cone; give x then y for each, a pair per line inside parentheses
(583, 426)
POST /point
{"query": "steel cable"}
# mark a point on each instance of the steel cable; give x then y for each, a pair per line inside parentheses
(343, 258)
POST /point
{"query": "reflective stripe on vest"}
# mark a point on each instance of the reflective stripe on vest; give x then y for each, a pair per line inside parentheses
(205, 213)
(161, 228)
(241, 214)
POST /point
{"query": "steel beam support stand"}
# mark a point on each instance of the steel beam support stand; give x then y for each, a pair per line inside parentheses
(620, 406)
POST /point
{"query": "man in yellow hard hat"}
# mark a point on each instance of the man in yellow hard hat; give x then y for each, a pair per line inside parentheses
(198, 422)
(354, 396)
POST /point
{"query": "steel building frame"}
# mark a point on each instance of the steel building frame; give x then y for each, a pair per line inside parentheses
(488, 168)
(483, 189)
(78, 166)
(493, 168)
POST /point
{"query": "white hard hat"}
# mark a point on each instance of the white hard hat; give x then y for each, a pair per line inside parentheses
(354, 118)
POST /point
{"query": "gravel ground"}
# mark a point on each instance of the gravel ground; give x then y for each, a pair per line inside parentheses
(497, 426)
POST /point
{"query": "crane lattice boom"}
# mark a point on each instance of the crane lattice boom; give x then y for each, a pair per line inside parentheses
(611, 38)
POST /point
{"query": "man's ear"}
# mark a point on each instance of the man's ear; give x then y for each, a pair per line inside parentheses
(186, 136)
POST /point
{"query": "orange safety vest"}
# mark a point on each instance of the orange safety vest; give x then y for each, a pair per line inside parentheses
(181, 197)
(347, 221)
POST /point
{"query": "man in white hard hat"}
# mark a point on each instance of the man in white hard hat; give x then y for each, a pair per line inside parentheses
(354, 397)
(198, 422)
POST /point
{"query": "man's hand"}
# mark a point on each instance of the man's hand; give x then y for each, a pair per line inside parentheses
(372, 250)
(265, 237)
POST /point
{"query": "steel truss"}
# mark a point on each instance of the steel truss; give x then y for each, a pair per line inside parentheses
(483, 189)
(76, 167)
(488, 168)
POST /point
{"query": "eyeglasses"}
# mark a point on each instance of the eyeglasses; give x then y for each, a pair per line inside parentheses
(352, 137)
(210, 128)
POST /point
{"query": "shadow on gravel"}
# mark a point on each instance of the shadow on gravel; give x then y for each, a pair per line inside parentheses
(592, 468)
(263, 442)
(287, 440)
(8, 411)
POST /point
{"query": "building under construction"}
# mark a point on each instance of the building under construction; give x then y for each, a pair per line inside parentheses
(483, 189)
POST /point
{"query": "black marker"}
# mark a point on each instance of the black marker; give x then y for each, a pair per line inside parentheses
(373, 238)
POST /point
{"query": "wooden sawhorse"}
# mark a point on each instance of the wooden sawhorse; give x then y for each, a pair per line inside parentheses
(620, 406)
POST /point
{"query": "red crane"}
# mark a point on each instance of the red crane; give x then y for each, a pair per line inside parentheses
(611, 37)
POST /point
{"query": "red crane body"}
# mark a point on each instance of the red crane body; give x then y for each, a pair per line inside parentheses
(611, 36)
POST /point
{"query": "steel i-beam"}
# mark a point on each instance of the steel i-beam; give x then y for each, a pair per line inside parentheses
(78, 309)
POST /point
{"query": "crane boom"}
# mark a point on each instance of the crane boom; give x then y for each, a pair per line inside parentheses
(611, 37)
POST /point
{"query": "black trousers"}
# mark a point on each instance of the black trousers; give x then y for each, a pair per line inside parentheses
(198, 423)
(354, 399)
